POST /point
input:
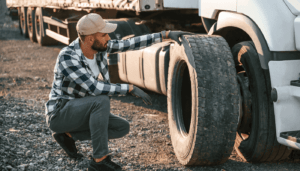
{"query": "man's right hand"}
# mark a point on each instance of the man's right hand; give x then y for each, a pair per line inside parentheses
(140, 93)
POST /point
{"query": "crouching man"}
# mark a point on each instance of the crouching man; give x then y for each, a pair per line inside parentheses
(78, 106)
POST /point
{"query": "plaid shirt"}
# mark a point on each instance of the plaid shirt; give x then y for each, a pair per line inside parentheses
(73, 77)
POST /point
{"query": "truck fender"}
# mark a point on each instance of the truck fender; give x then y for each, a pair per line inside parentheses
(230, 19)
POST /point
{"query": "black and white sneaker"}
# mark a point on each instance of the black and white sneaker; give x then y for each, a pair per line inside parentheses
(104, 165)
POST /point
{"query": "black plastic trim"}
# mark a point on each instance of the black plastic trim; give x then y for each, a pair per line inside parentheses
(208, 23)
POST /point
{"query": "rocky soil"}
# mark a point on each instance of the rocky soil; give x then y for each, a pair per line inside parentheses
(26, 73)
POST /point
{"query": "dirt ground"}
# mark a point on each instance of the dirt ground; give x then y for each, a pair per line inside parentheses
(26, 74)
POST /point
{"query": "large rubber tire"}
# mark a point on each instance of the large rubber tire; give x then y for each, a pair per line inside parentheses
(22, 13)
(203, 100)
(40, 29)
(260, 144)
(31, 24)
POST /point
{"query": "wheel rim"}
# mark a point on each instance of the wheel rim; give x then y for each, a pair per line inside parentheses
(182, 98)
(30, 24)
(22, 20)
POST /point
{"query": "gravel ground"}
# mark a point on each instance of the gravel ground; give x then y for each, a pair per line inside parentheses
(26, 72)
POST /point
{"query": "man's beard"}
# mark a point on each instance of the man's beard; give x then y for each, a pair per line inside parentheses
(97, 46)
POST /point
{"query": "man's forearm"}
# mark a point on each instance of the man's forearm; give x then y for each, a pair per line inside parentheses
(134, 43)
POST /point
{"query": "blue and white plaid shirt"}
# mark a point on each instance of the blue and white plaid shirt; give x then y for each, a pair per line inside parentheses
(73, 77)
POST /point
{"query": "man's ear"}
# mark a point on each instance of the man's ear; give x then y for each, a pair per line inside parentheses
(90, 39)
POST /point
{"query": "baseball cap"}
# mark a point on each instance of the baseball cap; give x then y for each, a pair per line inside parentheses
(93, 23)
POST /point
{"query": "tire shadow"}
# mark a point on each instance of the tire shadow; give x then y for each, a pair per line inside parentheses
(159, 102)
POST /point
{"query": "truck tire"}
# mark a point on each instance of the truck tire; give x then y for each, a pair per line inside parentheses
(31, 24)
(259, 142)
(22, 12)
(203, 100)
(40, 29)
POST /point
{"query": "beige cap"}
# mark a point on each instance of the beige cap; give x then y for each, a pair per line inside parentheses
(93, 23)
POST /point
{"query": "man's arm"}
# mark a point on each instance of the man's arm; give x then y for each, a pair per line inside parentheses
(134, 43)
(72, 69)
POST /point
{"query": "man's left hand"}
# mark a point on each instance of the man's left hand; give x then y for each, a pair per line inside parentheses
(140, 93)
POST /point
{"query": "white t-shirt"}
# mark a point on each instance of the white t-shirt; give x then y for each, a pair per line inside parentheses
(93, 65)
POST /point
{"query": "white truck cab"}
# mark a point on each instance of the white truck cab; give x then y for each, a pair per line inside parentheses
(273, 30)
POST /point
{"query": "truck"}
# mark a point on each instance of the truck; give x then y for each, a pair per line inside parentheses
(233, 84)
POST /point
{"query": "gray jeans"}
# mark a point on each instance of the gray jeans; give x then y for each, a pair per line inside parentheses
(89, 118)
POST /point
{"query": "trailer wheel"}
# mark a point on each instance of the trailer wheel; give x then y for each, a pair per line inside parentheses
(203, 100)
(256, 142)
(22, 12)
(31, 24)
(40, 29)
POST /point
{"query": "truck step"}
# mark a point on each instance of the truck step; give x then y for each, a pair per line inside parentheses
(295, 83)
(291, 135)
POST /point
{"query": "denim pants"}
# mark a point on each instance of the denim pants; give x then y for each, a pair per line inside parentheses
(89, 118)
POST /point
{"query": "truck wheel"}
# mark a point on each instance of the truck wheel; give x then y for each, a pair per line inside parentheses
(31, 24)
(256, 142)
(22, 12)
(40, 29)
(203, 100)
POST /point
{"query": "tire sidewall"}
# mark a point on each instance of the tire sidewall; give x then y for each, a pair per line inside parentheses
(248, 147)
(31, 34)
(24, 23)
(39, 32)
(183, 144)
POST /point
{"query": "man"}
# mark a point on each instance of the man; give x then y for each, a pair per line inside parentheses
(79, 107)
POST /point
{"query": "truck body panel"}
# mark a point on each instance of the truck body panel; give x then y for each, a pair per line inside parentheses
(275, 21)
(287, 106)
(191, 4)
(210, 8)
(134, 5)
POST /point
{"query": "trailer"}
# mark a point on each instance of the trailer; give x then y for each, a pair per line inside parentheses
(233, 84)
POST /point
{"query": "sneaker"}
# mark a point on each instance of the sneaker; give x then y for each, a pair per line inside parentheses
(104, 165)
(68, 144)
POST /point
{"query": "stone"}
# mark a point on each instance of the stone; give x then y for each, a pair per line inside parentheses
(22, 166)
(59, 161)
(127, 167)
(20, 152)
(9, 167)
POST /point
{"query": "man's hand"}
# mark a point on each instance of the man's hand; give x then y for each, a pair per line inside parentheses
(174, 35)
(140, 93)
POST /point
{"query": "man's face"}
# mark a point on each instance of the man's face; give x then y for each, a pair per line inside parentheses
(100, 41)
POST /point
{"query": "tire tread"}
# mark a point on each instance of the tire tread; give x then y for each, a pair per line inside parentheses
(217, 95)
